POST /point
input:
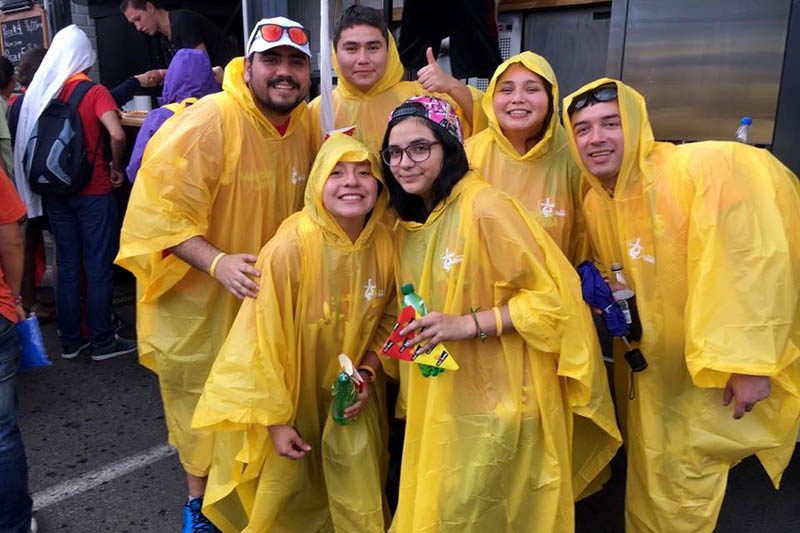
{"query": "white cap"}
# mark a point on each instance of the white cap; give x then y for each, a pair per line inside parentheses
(256, 43)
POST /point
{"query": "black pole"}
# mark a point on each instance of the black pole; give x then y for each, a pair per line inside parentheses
(61, 15)
(786, 136)
(387, 13)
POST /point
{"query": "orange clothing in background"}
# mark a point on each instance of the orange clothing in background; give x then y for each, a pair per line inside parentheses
(11, 211)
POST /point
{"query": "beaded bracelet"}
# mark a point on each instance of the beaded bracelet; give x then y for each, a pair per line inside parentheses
(478, 331)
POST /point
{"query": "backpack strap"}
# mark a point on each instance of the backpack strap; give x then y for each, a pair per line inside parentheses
(74, 101)
(79, 92)
(13, 117)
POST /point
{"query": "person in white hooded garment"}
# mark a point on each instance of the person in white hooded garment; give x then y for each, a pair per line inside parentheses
(84, 224)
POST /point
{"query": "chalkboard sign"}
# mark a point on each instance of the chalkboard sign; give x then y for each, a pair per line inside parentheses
(21, 31)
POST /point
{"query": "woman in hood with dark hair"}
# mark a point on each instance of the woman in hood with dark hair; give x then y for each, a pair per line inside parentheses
(488, 447)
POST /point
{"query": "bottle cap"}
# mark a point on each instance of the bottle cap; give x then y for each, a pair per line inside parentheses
(408, 288)
(616, 266)
(746, 121)
(636, 360)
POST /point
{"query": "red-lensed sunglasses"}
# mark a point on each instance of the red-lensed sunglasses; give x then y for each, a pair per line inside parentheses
(274, 32)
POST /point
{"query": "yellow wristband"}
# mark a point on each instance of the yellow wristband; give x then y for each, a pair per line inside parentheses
(498, 321)
(214, 262)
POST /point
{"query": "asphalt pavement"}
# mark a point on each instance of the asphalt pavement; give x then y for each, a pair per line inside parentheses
(84, 424)
(98, 460)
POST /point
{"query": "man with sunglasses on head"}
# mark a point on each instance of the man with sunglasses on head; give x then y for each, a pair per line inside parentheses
(180, 28)
(215, 183)
(709, 236)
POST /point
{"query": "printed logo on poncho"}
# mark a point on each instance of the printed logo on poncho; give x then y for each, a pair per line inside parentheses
(371, 291)
(296, 177)
(449, 259)
(635, 251)
(548, 209)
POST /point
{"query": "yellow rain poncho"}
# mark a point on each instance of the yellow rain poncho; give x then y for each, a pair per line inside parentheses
(369, 112)
(709, 237)
(545, 180)
(219, 170)
(321, 295)
(487, 447)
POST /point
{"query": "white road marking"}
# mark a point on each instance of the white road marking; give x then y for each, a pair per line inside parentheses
(73, 487)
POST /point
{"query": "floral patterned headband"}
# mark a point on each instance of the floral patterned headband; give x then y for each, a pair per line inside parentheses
(434, 109)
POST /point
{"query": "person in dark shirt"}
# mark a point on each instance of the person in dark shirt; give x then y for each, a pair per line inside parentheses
(178, 29)
(474, 49)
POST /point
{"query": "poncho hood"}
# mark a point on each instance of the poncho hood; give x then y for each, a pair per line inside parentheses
(554, 132)
(341, 147)
(391, 76)
(189, 75)
(233, 84)
(635, 173)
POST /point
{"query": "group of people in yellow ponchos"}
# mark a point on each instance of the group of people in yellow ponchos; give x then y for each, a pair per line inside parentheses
(512, 438)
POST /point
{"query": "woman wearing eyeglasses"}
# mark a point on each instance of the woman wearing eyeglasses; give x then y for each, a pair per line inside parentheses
(487, 447)
(524, 150)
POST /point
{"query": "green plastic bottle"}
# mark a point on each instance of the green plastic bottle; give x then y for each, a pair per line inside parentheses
(344, 395)
(411, 298)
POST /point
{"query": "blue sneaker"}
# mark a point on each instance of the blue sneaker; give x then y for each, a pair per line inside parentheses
(194, 521)
(71, 351)
(118, 346)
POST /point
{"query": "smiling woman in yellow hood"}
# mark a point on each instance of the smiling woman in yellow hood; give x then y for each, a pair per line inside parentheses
(321, 294)
(540, 172)
(709, 236)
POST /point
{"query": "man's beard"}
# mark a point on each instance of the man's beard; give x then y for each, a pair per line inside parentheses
(279, 108)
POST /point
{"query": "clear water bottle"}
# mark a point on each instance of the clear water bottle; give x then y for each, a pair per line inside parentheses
(626, 299)
(743, 132)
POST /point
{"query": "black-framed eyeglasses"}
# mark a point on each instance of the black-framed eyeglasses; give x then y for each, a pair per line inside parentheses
(604, 93)
(417, 152)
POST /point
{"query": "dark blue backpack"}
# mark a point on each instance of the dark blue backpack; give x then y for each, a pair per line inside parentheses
(56, 160)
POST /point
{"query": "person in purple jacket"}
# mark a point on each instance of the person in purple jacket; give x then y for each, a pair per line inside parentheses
(188, 78)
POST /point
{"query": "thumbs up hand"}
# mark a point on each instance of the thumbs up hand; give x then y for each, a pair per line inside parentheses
(430, 56)
(432, 77)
